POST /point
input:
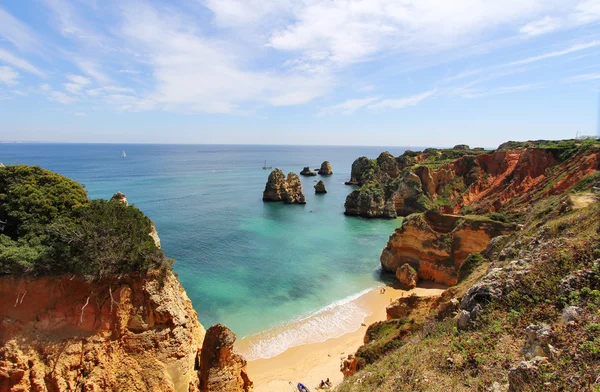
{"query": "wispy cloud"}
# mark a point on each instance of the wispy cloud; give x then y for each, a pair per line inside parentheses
(471, 93)
(583, 78)
(401, 103)
(8, 76)
(17, 33)
(60, 97)
(18, 62)
(195, 73)
(348, 107)
(525, 61)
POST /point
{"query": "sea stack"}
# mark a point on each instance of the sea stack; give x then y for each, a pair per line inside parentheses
(307, 172)
(278, 188)
(326, 169)
(120, 197)
(222, 369)
(320, 187)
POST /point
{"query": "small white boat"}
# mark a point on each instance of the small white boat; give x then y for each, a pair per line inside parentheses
(123, 155)
(265, 167)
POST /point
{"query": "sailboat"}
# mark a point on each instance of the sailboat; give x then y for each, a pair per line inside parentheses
(123, 155)
(265, 167)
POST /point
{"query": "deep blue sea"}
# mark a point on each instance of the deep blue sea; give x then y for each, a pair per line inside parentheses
(248, 264)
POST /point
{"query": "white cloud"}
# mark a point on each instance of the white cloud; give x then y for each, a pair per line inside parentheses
(194, 73)
(8, 76)
(584, 77)
(92, 69)
(80, 114)
(526, 61)
(471, 93)
(542, 26)
(60, 97)
(82, 80)
(18, 62)
(401, 103)
(349, 31)
(17, 33)
(349, 106)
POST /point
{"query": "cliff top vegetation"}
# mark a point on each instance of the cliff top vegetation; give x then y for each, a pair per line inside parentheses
(49, 226)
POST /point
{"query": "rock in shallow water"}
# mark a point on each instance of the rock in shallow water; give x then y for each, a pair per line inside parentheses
(307, 172)
(278, 188)
(325, 169)
(320, 187)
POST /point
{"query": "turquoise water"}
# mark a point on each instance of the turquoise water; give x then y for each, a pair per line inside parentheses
(247, 264)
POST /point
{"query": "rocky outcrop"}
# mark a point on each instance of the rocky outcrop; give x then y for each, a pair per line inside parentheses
(130, 333)
(538, 341)
(527, 376)
(307, 172)
(411, 306)
(320, 187)
(362, 171)
(369, 202)
(325, 169)
(485, 182)
(154, 235)
(407, 276)
(279, 188)
(435, 244)
(120, 197)
(221, 368)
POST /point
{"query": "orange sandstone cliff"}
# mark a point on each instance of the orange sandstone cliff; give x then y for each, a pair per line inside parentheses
(509, 178)
(436, 245)
(134, 333)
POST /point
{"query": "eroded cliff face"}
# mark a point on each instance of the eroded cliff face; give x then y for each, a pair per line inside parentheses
(436, 245)
(222, 369)
(506, 179)
(124, 334)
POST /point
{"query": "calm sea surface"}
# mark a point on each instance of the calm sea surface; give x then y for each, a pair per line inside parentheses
(247, 264)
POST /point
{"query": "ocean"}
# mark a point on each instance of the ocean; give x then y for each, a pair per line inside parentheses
(250, 265)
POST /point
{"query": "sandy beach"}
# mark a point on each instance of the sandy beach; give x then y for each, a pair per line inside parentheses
(311, 363)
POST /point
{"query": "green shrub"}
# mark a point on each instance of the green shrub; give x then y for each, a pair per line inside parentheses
(472, 261)
(51, 227)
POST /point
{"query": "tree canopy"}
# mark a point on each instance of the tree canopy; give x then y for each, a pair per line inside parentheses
(49, 226)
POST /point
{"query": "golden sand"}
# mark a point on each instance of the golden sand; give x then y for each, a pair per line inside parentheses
(311, 363)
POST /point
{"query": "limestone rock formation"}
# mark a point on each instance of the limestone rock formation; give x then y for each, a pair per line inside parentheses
(436, 245)
(407, 276)
(120, 197)
(307, 172)
(325, 169)
(538, 341)
(527, 375)
(131, 333)
(361, 171)
(369, 202)
(320, 187)
(511, 177)
(278, 188)
(221, 368)
(154, 235)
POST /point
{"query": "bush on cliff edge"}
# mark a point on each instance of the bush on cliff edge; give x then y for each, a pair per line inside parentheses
(49, 226)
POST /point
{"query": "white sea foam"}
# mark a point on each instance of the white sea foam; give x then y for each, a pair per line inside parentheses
(331, 321)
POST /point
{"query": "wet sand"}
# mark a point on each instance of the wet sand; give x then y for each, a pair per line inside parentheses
(311, 363)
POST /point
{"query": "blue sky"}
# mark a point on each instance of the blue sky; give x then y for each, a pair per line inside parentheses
(344, 72)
